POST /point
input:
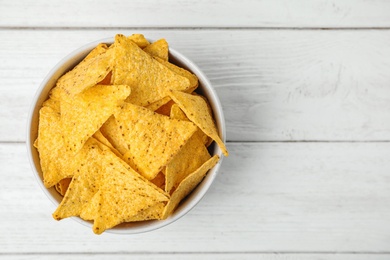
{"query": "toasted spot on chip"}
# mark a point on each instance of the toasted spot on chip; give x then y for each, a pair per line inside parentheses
(83, 115)
(149, 80)
(194, 82)
(196, 109)
(158, 49)
(86, 74)
(188, 184)
(152, 139)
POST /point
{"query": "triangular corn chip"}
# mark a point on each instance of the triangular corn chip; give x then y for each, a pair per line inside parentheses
(194, 82)
(111, 131)
(149, 80)
(86, 74)
(152, 139)
(50, 144)
(196, 109)
(83, 115)
(139, 39)
(123, 195)
(191, 157)
(188, 184)
(158, 49)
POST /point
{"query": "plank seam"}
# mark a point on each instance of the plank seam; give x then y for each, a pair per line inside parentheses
(203, 253)
(187, 28)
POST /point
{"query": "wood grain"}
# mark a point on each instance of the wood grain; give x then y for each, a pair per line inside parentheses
(201, 13)
(269, 197)
(278, 85)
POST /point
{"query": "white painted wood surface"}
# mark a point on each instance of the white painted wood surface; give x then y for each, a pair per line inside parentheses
(308, 125)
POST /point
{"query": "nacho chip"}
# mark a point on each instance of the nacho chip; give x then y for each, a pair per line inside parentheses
(197, 111)
(187, 185)
(99, 49)
(111, 132)
(149, 80)
(86, 113)
(139, 39)
(158, 49)
(194, 82)
(191, 157)
(123, 195)
(86, 74)
(103, 140)
(87, 178)
(50, 144)
(152, 139)
(177, 113)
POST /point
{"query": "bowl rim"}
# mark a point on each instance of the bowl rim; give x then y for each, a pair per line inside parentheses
(68, 62)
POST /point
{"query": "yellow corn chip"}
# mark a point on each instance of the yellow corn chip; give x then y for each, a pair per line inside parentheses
(86, 113)
(158, 49)
(53, 157)
(153, 212)
(86, 74)
(99, 49)
(194, 82)
(87, 178)
(103, 140)
(149, 80)
(139, 39)
(191, 157)
(188, 184)
(123, 195)
(177, 113)
(152, 139)
(197, 111)
(111, 131)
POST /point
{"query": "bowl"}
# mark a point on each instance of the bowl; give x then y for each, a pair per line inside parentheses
(205, 88)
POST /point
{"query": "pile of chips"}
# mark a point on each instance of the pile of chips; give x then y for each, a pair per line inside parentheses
(123, 136)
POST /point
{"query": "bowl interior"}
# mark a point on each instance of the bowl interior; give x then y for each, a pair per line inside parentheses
(192, 199)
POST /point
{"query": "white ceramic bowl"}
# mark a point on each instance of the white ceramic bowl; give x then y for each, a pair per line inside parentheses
(186, 205)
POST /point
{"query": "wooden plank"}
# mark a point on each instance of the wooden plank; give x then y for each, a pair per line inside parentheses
(274, 85)
(195, 256)
(269, 197)
(202, 13)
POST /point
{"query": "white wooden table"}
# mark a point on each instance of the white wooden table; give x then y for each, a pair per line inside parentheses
(305, 88)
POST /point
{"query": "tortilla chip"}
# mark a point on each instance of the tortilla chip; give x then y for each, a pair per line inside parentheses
(111, 131)
(177, 113)
(158, 49)
(86, 113)
(103, 140)
(53, 157)
(99, 49)
(194, 82)
(152, 139)
(191, 157)
(197, 111)
(187, 185)
(86, 74)
(123, 195)
(139, 39)
(149, 80)
(87, 178)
